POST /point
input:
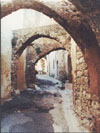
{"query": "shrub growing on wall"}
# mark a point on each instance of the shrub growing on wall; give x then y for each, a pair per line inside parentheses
(38, 50)
(63, 77)
(14, 40)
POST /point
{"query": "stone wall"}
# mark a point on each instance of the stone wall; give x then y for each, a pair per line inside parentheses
(5, 77)
(30, 68)
(87, 106)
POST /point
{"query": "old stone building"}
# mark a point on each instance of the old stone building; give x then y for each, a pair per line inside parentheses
(73, 26)
(57, 63)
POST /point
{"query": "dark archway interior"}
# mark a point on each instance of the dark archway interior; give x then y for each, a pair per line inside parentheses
(69, 69)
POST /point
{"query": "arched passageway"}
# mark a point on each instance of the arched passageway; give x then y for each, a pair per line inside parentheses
(23, 38)
(80, 26)
(39, 49)
(32, 59)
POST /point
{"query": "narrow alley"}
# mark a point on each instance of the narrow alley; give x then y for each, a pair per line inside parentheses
(38, 110)
(50, 66)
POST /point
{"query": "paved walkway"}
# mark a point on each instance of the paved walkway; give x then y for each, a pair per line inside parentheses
(47, 109)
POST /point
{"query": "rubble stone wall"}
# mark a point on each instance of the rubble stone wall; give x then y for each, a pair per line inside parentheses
(5, 77)
(30, 68)
(87, 106)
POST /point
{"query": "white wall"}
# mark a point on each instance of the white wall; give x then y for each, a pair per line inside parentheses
(66, 60)
(51, 63)
(8, 24)
(61, 57)
(34, 18)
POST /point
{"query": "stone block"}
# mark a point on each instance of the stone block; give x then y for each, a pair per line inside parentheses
(79, 73)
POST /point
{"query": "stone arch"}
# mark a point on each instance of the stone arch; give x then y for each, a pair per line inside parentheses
(30, 70)
(24, 37)
(77, 25)
(18, 48)
(77, 20)
(45, 46)
(54, 49)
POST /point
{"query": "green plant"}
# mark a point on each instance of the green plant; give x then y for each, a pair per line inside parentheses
(14, 41)
(38, 50)
(63, 77)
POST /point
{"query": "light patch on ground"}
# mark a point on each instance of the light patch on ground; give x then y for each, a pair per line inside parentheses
(46, 77)
(60, 124)
(72, 120)
(13, 119)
